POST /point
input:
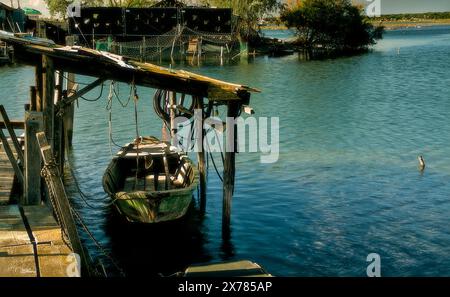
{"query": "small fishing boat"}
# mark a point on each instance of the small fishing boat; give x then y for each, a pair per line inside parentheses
(150, 181)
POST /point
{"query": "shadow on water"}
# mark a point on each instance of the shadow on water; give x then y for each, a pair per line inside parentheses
(157, 249)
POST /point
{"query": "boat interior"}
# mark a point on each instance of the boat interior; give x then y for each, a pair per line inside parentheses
(149, 173)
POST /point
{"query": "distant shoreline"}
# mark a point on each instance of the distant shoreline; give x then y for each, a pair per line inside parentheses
(395, 25)
(389, 25)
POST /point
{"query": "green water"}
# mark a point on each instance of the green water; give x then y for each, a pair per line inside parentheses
(346, 183)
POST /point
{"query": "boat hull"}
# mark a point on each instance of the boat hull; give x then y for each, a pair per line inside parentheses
(139, 207)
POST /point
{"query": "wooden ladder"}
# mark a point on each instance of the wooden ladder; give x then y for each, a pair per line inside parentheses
(11, 161)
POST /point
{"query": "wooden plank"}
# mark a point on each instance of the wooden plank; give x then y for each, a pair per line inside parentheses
(32, 187)
(83, 91)
(15, 124)
(17, 256)
(12, 133)
(16, 251)
(53, 253)
(61, 201)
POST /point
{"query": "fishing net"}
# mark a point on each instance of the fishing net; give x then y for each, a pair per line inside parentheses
(177, 39)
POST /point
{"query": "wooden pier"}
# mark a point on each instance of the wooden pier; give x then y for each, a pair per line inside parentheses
(31, 241)
(31, 244)
(29, 233)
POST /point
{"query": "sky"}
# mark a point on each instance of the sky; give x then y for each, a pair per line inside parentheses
(387, 6)
(411, 6)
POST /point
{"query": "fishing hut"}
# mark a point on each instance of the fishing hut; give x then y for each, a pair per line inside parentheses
(37, 164)
(168, 29)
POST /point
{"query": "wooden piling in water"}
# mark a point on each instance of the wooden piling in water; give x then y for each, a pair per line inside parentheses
(48, 97)
(33, 98)
(59, 125)
(201, 157)
(38, 78)
(229, 168)
(69, 112)
(34, 123)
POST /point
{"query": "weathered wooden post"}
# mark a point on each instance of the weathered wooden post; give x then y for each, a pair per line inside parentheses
(201, 155)
(69, 111)
(33, 98)
(229, 167)
(38, 79)
(48, 97)
(34, 123)
(58, 124)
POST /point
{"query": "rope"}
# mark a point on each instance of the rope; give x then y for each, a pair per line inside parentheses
(96, 99)
(214, 162)
(109, 107)
(138, 138)
(96, 242)
(46, 174)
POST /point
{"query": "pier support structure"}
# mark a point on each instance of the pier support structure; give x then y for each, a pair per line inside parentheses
(201, 156)
(229, 168)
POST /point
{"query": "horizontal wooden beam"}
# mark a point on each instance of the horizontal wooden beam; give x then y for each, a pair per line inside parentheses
(15, 124)
(77, 94)
(96, 64)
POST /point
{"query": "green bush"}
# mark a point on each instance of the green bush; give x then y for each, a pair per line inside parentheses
(332, 25)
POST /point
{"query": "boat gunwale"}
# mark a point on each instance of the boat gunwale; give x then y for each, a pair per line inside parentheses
(155, 194)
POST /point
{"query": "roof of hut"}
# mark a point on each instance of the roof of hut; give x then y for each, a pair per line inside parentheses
(85, 61)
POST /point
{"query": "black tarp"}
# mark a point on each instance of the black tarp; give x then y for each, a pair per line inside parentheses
(211, 20)
(98, 21)
(149, 21)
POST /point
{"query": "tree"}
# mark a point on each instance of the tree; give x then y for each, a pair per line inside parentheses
(334, 25)
(250, 12)
(59, 7)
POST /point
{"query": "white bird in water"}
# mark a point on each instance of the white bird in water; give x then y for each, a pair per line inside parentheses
(421, 163)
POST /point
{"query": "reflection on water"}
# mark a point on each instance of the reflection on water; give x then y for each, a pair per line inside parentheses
(346, 183)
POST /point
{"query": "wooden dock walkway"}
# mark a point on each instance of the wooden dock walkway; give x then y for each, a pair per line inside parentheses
(31, 241)
(34, 251)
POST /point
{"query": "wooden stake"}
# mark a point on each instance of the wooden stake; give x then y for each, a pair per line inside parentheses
(201, 158)
(33, 98)
(38, 78)
(58, 126)
(48, 97)
(34, 123)
(69, 112)
(229, 169)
